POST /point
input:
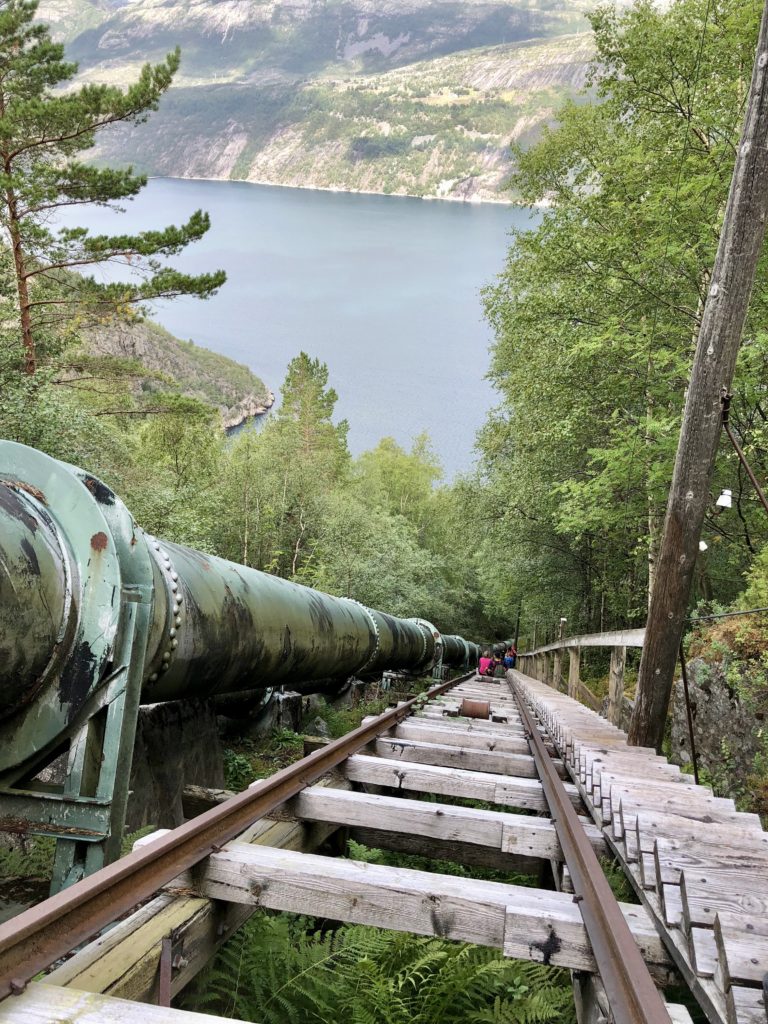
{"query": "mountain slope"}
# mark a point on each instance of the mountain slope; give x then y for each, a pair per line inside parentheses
(416, 96)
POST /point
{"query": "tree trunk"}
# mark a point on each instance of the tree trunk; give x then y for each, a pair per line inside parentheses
(20, 268)
(718, 345)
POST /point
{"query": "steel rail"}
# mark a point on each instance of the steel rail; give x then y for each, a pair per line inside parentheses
(37, 937)
(632, 995)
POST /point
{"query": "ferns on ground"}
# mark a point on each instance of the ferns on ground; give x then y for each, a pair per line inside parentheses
(278, 968)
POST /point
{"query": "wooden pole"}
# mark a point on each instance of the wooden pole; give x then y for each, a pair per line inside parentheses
(616, 685)
(718, 344)
(574, 671)
(557, 669)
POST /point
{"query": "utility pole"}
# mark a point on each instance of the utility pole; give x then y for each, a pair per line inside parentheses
(722, 324)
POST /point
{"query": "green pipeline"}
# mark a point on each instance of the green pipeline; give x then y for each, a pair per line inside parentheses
(69, 549)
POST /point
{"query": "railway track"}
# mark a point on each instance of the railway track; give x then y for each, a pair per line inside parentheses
(556, 783)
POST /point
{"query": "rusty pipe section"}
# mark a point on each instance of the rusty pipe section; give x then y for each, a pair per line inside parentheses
(216, 627)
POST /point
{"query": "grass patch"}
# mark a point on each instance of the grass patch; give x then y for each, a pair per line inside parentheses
(249, 759)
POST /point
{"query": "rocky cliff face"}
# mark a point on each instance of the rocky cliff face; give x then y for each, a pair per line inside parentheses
(403, 96)
(237, 392)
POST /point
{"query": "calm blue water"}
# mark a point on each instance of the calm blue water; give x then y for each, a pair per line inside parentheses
(385, 290)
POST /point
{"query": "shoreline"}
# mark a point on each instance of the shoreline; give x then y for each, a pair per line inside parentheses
(472, 201)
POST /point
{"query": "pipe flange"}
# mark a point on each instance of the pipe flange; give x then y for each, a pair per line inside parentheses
(430, 632)
(81, 509)
(375, 653)
(174, 605)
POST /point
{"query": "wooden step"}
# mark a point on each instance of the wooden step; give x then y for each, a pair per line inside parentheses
(417, 729)
(528, 923)
(522, 794)
(453, 756)
(519, 834)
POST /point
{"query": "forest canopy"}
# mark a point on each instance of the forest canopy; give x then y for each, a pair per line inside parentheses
(596, 316)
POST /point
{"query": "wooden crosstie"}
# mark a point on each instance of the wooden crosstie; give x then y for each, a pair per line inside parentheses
(699, 867)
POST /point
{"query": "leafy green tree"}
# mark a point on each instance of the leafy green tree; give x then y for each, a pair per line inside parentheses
(43, 129)
(402, 481)
(275, 482)
(364, 552)
(172, 486)
(304, 416)
(597, 312)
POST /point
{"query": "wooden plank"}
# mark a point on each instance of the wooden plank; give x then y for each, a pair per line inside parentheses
(703, 951)
(418, 729)
(745, 1006)
(672, 905)
(449, 714)
(574, 660)
(520, 834)
(616, 684)
(452, 756)
(704, 811)
(651, 825)
(622, 637)
(623, 763)
(647, 788)
(535, 923)
(707, 891)
(742, 945)
(500, 695)
(672, 857)
(679, 1014)
(520, 765)
(648, 871)
(523, 794)
(52, 1004)
(517, 841)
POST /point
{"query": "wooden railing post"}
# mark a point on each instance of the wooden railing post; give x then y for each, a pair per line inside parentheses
(557, 669)
(574, 662)
(557, 661)
(616, 685)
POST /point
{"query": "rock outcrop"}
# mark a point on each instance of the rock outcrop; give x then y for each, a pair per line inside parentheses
(181, 365)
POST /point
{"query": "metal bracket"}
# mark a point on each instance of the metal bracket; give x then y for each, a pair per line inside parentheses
(91, 714)
(171, 959)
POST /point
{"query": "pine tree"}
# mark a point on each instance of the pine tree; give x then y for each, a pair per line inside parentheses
(43, 129)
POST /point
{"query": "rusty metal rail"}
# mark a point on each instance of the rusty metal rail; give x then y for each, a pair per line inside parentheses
(632, 995)
(36, 938)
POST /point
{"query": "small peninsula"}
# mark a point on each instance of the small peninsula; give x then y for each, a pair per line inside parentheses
(231, 387)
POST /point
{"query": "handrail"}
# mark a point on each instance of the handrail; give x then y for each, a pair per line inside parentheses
(616, 638)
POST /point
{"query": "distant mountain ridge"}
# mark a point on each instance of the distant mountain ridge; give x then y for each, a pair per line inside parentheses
(401, 96)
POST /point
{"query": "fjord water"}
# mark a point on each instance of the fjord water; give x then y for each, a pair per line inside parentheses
(385, 290)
